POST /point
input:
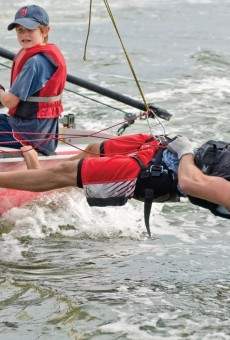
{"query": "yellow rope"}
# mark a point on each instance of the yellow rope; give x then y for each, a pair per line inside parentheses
(126, 54)
(88, 32)
(127, 58)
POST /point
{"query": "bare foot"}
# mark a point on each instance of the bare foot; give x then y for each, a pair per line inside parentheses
(31, 157)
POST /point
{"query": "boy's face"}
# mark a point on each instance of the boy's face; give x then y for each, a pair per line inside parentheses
(29, 38)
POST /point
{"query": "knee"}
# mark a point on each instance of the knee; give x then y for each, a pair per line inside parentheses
(66, 172)
(93, 150)
(67, 168)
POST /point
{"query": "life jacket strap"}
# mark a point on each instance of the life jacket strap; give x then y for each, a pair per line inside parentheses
(149, 197)
(44, 99)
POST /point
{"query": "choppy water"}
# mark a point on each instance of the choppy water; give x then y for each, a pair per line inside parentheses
(72, 272)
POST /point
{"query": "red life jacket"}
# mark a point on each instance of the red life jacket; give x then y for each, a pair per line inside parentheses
(46, 103)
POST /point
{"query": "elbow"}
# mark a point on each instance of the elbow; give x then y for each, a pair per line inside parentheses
(185, 184)
(10, 101)
(9, 104)
(192, 185)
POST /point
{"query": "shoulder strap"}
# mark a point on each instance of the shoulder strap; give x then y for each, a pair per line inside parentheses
(51, 99)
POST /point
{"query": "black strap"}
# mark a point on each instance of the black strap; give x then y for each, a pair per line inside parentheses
(139, 162)
(79, 178)
(149, 196)
(154, 168)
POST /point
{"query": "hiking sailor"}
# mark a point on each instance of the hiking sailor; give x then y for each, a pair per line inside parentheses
(142, 167)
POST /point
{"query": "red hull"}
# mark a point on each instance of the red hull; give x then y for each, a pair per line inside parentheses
(10, 198)
(14, 198)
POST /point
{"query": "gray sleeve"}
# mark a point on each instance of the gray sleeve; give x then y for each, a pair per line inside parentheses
(33, 77)
(22, 86)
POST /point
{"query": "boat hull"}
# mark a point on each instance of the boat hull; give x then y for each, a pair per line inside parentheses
(10, 198)
(72, 142)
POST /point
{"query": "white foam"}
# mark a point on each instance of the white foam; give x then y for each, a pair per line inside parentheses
(69, 208)
(68, 214)
(131, 331)
(11, 249)
(215, 86)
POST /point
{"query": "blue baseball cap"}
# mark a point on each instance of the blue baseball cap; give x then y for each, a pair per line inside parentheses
(30, 17)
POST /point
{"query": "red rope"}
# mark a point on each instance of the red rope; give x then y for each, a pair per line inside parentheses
(48, 136)
(160, 146)
(61, 137)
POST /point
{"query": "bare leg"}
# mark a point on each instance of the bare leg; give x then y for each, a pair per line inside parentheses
(30, 156)
(92, 150)
(60, 176)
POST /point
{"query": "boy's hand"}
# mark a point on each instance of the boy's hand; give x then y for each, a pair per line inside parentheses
(3, 89)
(181, 146)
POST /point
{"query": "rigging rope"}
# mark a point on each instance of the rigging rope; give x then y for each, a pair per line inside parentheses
(96, 100)
(61, 138)
(88, 31)
(148, 110)
(122, 44)
(129, 120)
(133, 73)
(126, 53)
(49, 136)
(84, 96)
(4, 65)
(129, 117)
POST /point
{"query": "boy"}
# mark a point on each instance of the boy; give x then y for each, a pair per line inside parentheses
(37, 81)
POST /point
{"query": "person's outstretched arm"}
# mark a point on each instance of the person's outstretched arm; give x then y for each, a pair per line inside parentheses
(191, 179)
(193, 182)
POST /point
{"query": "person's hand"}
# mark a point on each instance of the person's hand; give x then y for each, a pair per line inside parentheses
(1, 88)
(181, 146)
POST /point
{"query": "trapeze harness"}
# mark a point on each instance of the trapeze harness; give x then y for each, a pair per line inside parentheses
(46, 103)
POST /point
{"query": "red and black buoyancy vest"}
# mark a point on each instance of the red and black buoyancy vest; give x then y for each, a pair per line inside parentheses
(46, 103)
(213, 158)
